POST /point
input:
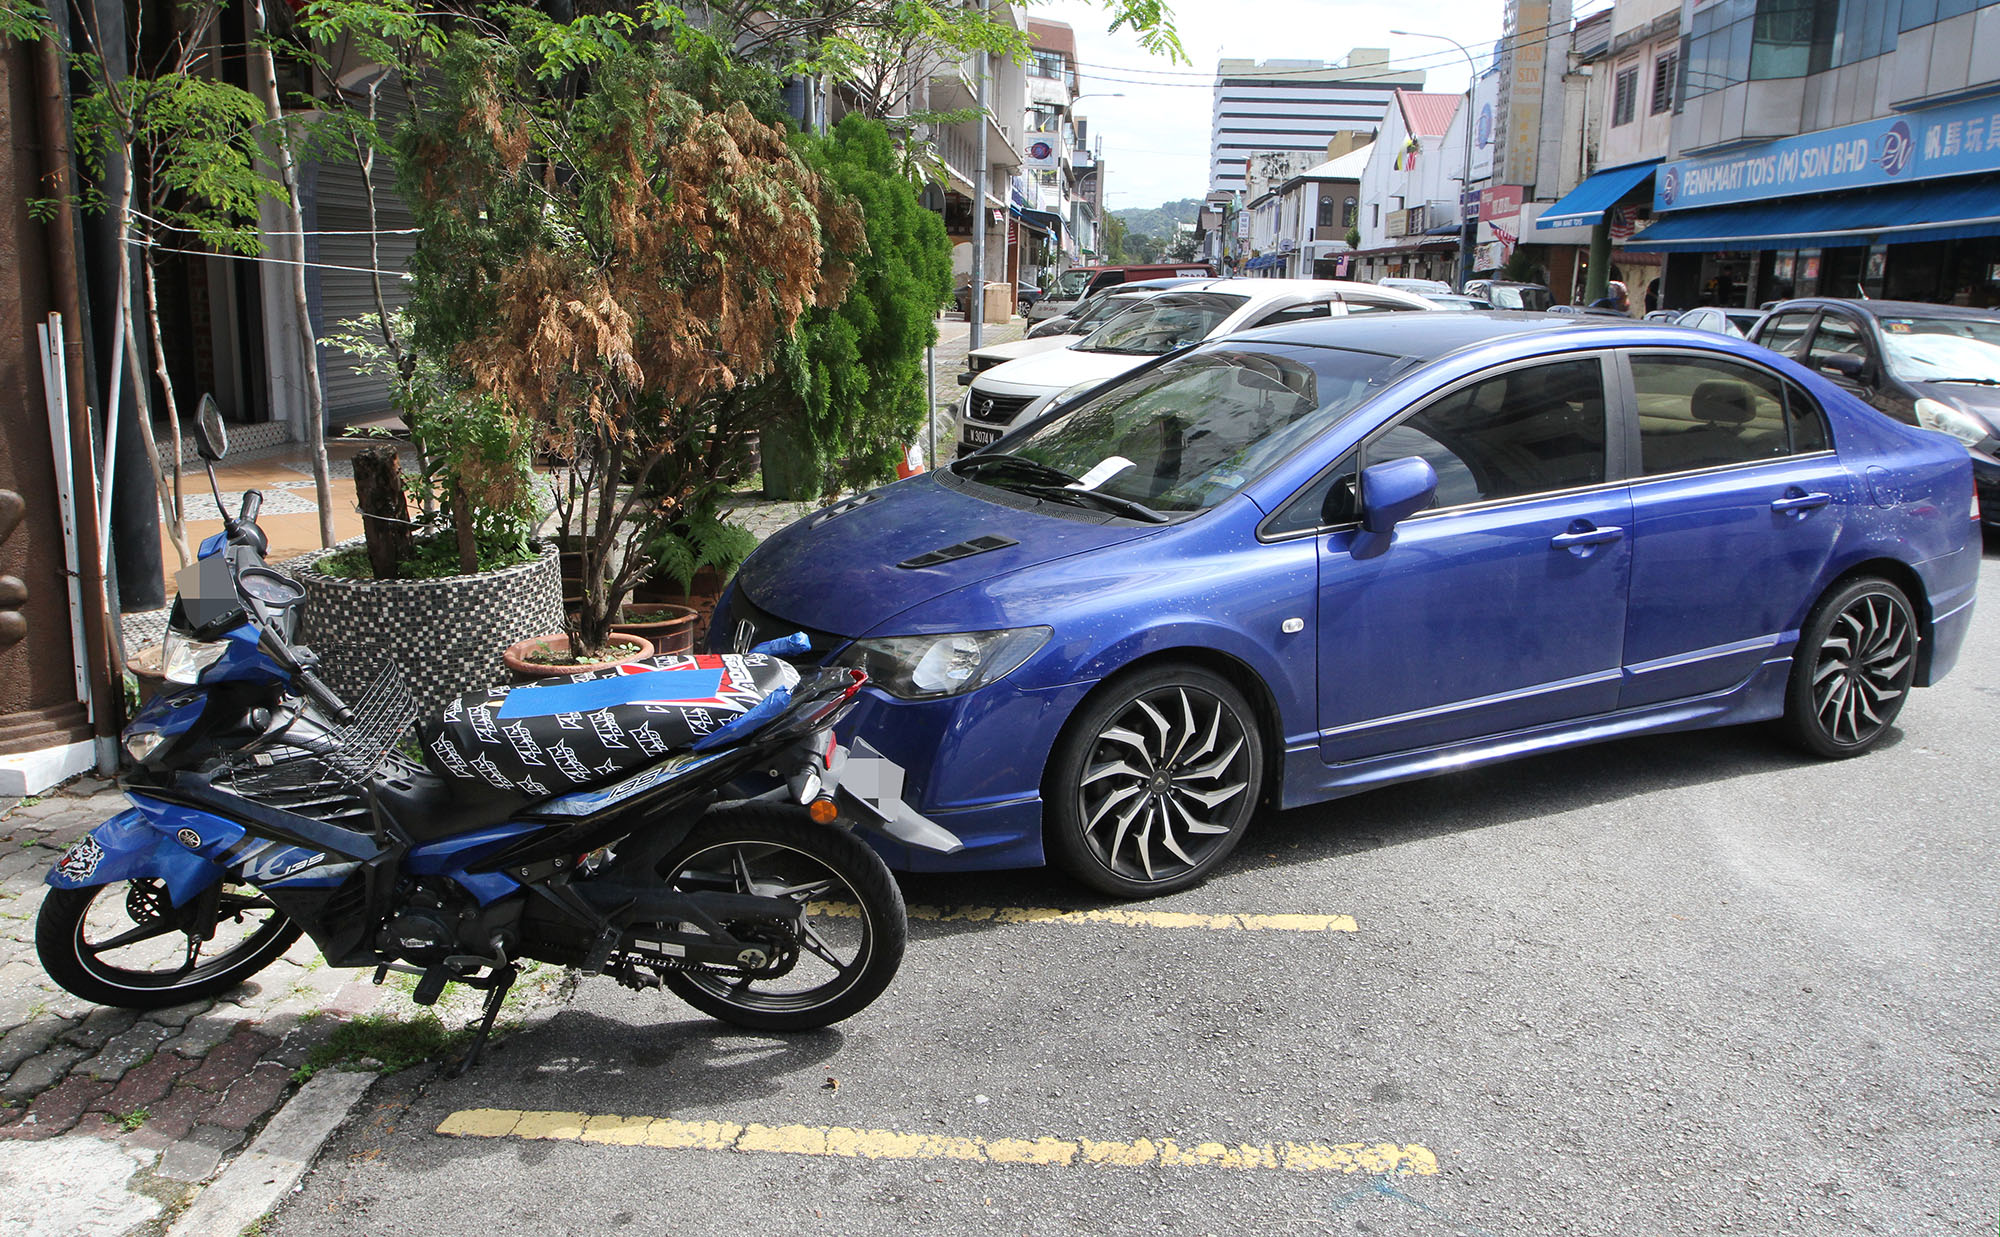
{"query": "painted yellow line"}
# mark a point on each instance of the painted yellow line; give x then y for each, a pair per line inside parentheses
(1117, 918)
(842, 1143)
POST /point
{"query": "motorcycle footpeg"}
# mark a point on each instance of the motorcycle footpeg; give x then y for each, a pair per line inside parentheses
(600, 950)
(431, 986)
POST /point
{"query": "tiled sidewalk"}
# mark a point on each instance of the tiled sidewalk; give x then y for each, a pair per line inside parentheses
(177, 1090)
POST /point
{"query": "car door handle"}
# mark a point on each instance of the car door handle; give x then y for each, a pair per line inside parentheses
(1583, 538)
(1799, 503)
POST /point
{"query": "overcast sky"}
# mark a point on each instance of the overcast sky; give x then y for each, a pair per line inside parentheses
(1155, 139)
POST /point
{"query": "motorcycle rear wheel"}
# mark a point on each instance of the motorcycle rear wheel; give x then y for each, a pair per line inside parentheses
(845, 947)
(126, 945)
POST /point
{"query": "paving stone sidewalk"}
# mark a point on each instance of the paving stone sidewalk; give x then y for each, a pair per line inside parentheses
(177, 1091)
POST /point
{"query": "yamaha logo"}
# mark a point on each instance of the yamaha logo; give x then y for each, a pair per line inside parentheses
(190, 839)
(744, 636)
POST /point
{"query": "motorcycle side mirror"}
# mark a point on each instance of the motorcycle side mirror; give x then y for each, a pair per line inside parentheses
(211, 437)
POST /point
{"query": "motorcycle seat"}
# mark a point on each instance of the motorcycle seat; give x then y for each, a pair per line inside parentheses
(584, 730)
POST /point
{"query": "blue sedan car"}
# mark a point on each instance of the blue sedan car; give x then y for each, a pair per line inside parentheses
(1314, 559)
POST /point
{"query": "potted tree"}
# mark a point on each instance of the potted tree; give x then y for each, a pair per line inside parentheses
(612, 241)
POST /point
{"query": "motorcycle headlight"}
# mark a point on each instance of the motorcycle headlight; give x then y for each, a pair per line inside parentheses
(931, 667)
(185, 659)
(1936, 415)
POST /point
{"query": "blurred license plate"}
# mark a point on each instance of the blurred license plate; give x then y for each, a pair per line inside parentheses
(978, 437)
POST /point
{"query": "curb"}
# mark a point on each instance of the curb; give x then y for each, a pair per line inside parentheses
(259, 1179)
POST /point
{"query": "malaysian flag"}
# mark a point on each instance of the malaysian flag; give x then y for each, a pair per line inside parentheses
(1622, 225)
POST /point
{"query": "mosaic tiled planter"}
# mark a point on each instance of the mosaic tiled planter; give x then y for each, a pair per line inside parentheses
(447, 634)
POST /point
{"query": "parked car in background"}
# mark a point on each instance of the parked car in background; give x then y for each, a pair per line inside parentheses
(1937, 366)
(1452, 300)
(1511, 294)
(1423, 287)
(1098, 308)
(1160, 324)
(1737, 322)
(1309, 560)
(1095, 308)
(1026, 296)
(1080, 281)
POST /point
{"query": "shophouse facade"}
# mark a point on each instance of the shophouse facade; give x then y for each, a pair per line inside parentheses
(1409, 190)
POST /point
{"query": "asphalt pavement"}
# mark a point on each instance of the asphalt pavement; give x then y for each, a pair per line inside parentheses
(1687, 984)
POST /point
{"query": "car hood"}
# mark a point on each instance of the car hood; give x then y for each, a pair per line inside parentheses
(1023, 347)
(836, 570)
(1054, 371)
(1981, 401)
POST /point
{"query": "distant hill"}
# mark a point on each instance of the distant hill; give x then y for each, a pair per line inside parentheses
(1158, 220)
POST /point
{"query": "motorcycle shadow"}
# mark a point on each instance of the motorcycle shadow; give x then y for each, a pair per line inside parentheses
(623, 1061)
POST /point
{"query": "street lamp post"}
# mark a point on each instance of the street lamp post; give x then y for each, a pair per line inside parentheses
(1468, 225)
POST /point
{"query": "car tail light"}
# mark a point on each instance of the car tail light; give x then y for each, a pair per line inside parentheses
(1975, 506)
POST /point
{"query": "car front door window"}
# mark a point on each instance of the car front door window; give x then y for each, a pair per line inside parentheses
(1786, 333)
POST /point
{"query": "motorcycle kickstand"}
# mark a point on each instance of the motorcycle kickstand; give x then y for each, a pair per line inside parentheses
(496, 986)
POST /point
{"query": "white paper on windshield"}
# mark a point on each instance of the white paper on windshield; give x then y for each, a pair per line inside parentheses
(1097, 476)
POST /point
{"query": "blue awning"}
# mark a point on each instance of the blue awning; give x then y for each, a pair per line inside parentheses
(1266, 260)
(1927, 212)
(1045, 222)
(1585, 205)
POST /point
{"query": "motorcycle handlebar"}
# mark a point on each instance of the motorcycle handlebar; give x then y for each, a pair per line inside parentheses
(322, 695)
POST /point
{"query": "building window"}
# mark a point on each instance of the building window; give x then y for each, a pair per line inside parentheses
(1048, 64)
(1326, 212)
(1624, 98)
(1349, 212)
(1665, 69)
(1374, 215)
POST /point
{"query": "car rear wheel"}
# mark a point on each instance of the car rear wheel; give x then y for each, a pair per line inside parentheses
(1852, 671)
(1154, 782)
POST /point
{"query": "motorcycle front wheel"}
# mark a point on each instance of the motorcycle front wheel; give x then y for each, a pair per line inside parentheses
(126, 944)
(827, 963)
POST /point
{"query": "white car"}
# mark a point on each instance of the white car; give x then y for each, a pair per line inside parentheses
(1095, 310)
(1158, 325)
(1423, 287)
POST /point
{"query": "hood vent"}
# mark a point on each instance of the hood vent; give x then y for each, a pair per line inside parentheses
(840, 509)
(964, 549)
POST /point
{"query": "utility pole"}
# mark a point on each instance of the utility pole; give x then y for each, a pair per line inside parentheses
(1468, 225)
(975, 298)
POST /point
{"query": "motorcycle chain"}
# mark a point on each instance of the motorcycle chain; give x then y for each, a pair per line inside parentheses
(626, 966)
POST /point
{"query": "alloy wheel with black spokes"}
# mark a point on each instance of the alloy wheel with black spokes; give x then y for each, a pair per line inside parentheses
(1852, 671)
(126, 944)
(1154, 782)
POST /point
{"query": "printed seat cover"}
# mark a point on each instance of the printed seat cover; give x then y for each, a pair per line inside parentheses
(585, 729)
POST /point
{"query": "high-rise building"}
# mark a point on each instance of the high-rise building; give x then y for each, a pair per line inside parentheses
(1296, 105)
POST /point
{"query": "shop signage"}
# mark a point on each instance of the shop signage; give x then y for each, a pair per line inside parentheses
(1500, 202)
(1397, 223)
(1959, 139)
(1039, 151)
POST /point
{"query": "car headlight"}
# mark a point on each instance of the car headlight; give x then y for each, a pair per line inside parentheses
(1936, 415)
(931, 667)
(185, 659)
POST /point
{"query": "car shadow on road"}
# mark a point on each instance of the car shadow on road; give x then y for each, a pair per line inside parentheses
(1577, 779)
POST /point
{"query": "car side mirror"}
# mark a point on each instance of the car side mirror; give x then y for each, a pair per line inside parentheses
(1392, 492)
(1843, 365)
(211, 437)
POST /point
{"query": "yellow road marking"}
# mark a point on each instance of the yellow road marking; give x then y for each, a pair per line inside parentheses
(1118, 918)
(840, 1142)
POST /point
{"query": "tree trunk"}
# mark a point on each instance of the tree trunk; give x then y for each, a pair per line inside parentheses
(385, 515)
(461, 529)
(176, 509)
(142, 414)
(266, 73)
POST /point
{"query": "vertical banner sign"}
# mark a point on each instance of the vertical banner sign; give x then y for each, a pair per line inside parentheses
(1521, 59)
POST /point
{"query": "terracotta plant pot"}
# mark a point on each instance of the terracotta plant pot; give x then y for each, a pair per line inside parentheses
(668, 626)
(707, 591)
(517, 655)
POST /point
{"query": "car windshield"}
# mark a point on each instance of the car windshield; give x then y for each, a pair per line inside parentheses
(1070, 284)
(1186, 436)
(1162, 324)
(1102, 307)
(1536, 299)
(1942, 349)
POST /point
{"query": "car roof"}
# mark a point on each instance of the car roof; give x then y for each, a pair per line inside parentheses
(1889, 309)
(1429, 336)
(1262, 290)
(1168, 282)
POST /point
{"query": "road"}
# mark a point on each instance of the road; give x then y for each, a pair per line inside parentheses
(1690, 984)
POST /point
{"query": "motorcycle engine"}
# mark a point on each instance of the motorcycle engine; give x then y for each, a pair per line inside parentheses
(426, 927)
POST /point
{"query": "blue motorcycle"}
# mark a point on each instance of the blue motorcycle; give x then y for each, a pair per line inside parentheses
(668, 823)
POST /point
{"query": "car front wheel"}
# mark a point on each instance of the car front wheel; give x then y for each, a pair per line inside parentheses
(1852, 670)
(1154, 782)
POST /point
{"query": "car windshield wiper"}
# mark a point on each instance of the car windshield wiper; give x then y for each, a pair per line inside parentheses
(1110, 502)
(1977, 382)
(1019, 463)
